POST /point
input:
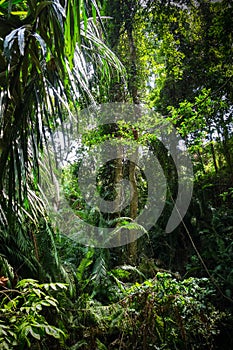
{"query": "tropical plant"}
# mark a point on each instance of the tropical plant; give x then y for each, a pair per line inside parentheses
(161, 313)
(52, 55)
(23, 324)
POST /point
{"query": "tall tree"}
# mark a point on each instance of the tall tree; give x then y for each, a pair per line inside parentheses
(193, 44)
(121, 33)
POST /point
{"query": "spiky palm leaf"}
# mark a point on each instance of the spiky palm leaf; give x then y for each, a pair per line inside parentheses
(51, 56)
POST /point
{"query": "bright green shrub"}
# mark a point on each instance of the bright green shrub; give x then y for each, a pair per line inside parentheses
(24, 314)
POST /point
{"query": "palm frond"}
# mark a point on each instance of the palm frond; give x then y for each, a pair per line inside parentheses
(51, 60)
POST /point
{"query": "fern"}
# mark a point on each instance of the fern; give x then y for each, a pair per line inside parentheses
(99, 272)
(82, 268)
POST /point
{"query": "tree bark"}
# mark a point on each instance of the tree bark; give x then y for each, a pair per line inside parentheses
(132, 246)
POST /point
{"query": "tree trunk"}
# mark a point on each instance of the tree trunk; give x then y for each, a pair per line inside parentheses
(118, 178)
(132, 247)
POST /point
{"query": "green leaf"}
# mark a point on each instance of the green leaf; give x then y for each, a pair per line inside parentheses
(53, 331)
(42, 43)
(21, 40)
(34, 333)
(8, 43)
(100, 345)
(51, 301)
(45, 303)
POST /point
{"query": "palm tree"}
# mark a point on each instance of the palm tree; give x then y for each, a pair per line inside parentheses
(51, 56)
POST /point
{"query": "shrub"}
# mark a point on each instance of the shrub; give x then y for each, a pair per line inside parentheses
(24, 314)
(160, 313)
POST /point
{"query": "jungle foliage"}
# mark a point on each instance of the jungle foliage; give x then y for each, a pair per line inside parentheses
(165, 290)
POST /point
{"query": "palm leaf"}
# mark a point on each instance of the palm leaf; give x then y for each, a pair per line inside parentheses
(47, 57)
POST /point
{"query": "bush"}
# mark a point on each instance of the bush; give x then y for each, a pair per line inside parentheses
(160, 313)
(24, 314)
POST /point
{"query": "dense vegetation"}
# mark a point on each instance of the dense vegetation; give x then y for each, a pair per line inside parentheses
(165, 290)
